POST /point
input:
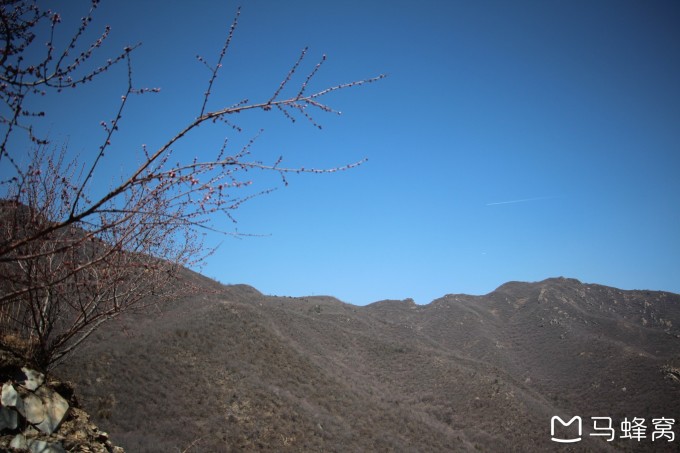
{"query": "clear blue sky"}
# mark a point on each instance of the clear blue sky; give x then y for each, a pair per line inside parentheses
(512, 140)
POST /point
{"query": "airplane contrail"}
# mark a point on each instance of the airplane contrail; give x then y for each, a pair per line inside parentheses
(518, 201)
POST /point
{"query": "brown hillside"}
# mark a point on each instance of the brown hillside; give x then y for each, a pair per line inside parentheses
(234, 370)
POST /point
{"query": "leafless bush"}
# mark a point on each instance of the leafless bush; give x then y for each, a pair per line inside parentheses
(71, 260)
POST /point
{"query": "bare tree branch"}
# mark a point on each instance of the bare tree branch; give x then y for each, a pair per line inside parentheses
(71, 261)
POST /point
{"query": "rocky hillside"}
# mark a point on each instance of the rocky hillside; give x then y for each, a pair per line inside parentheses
(230, 369)
(41, 416)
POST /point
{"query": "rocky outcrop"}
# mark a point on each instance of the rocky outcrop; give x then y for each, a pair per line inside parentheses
(39, 416)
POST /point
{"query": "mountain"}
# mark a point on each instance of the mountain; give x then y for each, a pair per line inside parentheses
(231, 369)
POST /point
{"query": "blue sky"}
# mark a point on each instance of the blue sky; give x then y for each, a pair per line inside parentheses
(510, 141)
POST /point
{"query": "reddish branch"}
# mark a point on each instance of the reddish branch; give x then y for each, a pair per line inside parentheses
(69, 262)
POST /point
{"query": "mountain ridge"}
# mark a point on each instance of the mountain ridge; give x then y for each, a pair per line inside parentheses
(462, 373)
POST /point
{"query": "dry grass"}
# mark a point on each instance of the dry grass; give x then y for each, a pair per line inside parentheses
(245, 372)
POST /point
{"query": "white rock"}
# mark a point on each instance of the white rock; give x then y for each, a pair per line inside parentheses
(9, 419)
(56, 408)
(19, 442)
(40, 446)
(10, 397)
(34, 410)
(33, 380)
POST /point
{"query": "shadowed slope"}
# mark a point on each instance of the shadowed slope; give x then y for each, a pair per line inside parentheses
(237, 370)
